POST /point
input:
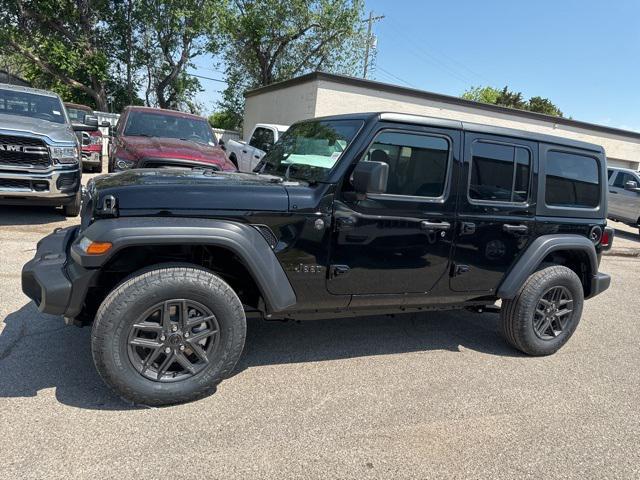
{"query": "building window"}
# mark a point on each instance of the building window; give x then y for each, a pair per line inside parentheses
(499, 173)
(572, 180)
(417, 163)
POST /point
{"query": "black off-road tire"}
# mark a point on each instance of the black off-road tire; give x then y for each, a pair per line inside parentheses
(73, 209)
(517, 314)
(123, 307)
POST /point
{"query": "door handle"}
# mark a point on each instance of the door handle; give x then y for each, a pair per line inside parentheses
(515, 228)
(244, 151)
(426, 225)
(613, 191)
(256, 156)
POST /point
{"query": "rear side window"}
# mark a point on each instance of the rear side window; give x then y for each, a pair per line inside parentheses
(499, 173)
(609, 173)
(572, 180)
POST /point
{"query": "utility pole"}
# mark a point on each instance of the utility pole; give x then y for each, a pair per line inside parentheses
(370, 21)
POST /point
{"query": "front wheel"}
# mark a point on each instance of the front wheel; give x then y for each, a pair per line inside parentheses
(168, 335)
(545, 312)
(73, 209)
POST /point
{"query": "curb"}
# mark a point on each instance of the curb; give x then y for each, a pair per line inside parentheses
(622, 252)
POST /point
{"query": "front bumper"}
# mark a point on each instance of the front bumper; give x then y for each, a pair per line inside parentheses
(52, 280)
(54, 186)
(91, 158)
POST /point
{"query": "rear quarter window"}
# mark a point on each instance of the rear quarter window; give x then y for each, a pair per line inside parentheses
(572, 180)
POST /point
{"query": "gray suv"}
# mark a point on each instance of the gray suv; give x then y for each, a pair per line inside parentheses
(624, 195)
(39, 150)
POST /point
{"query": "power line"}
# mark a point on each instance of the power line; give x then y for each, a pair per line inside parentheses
(389, 74)
(206, 78)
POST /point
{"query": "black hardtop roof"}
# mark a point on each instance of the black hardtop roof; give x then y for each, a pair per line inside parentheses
(466, 126)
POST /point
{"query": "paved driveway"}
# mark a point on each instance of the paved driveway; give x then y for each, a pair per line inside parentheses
(436, 395)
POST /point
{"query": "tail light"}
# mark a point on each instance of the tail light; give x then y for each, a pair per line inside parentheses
(607, 238)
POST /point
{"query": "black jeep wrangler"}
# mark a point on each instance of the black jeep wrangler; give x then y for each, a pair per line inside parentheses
(361, 214)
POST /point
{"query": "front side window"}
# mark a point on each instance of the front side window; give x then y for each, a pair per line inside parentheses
(31, 105)
(261, 137)
(309, 150)
(499, 172)
(572, 180)
(417, 163)
(622, 179)
(152, 124)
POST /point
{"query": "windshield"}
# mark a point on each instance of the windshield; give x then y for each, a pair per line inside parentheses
(31, 105)
(309, 150)
(76, 115)
(151, 124)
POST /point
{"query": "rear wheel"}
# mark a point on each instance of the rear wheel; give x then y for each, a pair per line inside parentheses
(546, 311)
(168, 336)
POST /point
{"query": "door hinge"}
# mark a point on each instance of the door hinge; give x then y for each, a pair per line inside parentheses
(337, 270)
(459, 269)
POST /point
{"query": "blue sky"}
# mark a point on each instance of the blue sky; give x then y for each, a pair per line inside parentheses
(582, 55)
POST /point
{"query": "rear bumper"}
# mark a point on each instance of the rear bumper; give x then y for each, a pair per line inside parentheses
(599, 283)
(52, 280)
(91, 158)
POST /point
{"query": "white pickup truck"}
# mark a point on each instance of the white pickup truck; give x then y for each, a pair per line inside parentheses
(247, 155)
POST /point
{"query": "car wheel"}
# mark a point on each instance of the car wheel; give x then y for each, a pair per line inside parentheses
(234, 160)
(168, 335)
(73, 209)
(545, 312)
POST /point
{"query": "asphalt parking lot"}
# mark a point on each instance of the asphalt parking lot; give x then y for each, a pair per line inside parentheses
(436, 395)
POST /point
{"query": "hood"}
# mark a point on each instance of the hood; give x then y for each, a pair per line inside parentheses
(173, 189)
(57, 132)
(174, 148)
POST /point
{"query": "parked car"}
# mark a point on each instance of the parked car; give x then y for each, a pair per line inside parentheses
(91, 142)
(362, 214)
(246, 156)
(39, 150)
(624, 195)
(156, 138)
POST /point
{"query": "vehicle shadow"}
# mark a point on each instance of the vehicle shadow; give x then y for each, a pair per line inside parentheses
(38, 352)
(633, 236)
(26, 215)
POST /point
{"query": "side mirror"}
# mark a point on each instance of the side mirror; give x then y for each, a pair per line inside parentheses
(90, 124)
(105, 124)
(370, 177)
(631, 185)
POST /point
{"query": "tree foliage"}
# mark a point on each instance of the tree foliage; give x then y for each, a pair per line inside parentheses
(267, 41)
(224, 120)
(507, 98)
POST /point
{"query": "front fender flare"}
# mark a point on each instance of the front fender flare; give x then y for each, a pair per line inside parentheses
(241, 239)
(537, 251)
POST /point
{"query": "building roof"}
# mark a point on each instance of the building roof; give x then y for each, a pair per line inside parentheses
(438, 97)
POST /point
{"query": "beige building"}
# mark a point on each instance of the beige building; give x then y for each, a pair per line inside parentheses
(320, 94)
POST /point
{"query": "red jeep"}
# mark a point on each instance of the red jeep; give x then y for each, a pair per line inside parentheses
(91, 141)
(155, 138)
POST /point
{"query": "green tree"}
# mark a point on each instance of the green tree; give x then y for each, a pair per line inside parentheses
(266, 41)
(223, 119)
(544, 105)
(172, 34)
(508, 98)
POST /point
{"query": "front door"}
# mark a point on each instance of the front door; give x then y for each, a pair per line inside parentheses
(496, 210)
(400, 241)
(623, 204)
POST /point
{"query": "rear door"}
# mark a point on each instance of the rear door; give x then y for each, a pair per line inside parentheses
(496, 209)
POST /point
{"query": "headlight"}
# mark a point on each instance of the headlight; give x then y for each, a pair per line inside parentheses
(123, 164)
(65, 155)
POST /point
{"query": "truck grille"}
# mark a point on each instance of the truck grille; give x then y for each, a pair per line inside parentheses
(18, 151)
(12, 183)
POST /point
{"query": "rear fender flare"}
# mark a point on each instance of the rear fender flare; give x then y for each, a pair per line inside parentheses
(535, 254)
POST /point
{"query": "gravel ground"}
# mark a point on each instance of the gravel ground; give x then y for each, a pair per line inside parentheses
(436, 395)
